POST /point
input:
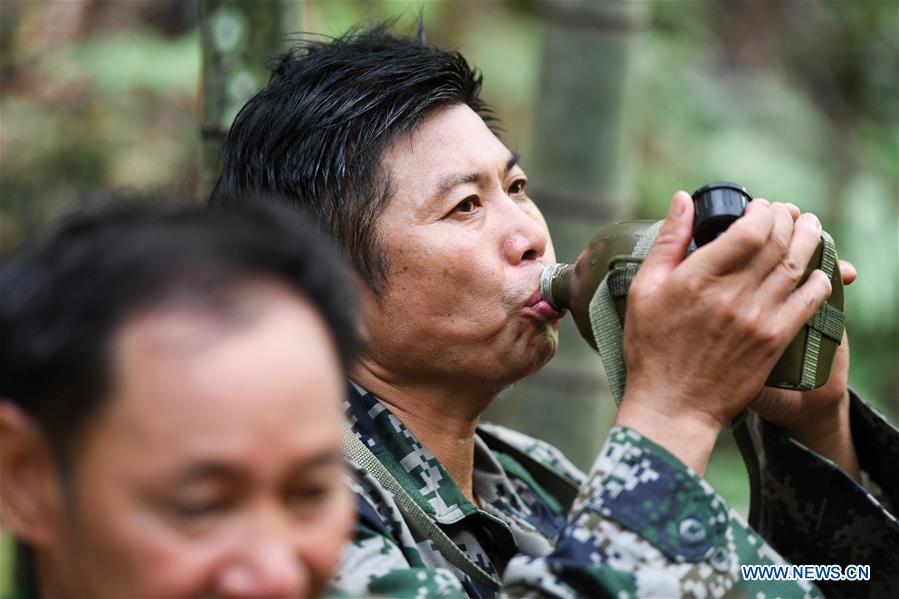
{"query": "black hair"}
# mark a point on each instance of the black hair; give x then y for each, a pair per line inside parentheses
(65, 296)
(316, 134)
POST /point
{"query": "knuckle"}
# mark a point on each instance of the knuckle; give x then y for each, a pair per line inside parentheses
(781, 244)
(806, 299)
(727, 312)
(763, 333)
(693, 286)
(667, 235)
(811, 296)
(791, 269)
(752, 238)
(747, 321)
(825, 284)
(770, 337)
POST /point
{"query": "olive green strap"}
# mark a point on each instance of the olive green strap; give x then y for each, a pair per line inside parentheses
(608, 335)
(357, 451)
(608, 332)
(826, 320)
(619, 279)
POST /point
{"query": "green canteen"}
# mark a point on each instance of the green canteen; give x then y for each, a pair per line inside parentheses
(594, 289)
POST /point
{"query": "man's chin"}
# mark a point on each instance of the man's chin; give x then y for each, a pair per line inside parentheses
(541, 350)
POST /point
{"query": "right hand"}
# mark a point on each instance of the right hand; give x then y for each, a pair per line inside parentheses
(702, 332)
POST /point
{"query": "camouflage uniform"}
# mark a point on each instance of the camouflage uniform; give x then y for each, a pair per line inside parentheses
(642, 523)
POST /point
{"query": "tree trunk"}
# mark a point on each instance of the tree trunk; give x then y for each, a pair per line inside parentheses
(239, 37)
(577, 183)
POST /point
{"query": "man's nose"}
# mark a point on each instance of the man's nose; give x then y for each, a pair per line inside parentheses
(267, 565)
(525, 237)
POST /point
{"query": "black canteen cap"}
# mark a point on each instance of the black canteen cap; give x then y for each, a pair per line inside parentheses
(716, 206)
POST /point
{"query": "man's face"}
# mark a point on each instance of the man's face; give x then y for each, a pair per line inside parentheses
(466, 248)
(215, 469)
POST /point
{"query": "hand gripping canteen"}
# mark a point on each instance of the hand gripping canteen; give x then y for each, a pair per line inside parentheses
(594, 289)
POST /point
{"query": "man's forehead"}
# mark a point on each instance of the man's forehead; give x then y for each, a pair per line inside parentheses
(450, 147)
(476, 176)
(179, 367)
(453, 137)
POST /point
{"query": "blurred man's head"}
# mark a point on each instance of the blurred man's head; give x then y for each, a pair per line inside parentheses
(388, 142)
(170, 397)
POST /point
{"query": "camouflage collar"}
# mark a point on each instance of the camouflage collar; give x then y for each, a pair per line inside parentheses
(416, 468)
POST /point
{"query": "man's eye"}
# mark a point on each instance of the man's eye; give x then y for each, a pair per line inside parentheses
(309, 498)
(468, 205)
(196, 510)
(517, 187)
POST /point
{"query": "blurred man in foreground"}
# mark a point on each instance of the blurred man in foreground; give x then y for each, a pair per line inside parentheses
(170, 394)
(388, 142)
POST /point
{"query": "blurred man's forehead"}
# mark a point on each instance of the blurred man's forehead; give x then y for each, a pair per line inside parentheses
(188, 321)
(176, 367)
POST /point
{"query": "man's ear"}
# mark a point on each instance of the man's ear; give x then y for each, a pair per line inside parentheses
(29, 489)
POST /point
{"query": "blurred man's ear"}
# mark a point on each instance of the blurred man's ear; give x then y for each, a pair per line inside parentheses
(29, 492)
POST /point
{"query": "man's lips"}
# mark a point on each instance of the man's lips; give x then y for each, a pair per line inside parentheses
(541, 308)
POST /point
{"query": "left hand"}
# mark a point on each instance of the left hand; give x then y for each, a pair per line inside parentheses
(799, 410)
(819, 419)
(820, 408)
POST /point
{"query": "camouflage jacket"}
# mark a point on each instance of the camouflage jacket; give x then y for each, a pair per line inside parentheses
(642, 524)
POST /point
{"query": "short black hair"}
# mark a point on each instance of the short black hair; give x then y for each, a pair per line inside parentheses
(65, 296)
(316, 134)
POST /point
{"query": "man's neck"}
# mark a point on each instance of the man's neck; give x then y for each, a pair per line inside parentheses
(443, 420)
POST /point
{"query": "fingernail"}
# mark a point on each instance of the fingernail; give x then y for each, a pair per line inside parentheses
(812, 220)
(678, 204)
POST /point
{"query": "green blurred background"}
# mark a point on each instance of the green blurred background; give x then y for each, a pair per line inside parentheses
(614, 106)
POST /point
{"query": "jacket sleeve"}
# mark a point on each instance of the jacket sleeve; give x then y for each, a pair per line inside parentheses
(814, 513)
(646, 525)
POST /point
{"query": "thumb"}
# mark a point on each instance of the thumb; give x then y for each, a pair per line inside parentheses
(673, 239)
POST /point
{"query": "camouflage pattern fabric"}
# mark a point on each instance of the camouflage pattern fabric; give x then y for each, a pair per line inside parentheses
(848, 524)
(643, 524)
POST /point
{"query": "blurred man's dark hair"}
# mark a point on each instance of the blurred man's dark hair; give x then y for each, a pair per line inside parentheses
(316, 134)
(65, 297)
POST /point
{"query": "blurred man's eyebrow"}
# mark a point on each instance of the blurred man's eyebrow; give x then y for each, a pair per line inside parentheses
(324, 458)
(207, 469)
(448, 182)
(221, 470)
